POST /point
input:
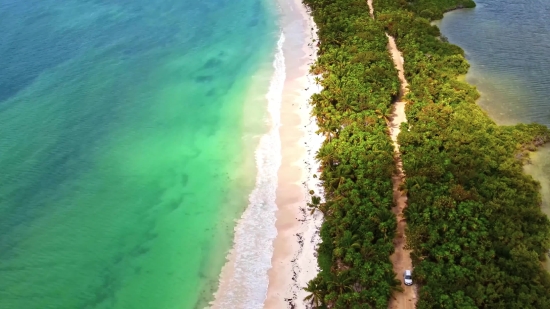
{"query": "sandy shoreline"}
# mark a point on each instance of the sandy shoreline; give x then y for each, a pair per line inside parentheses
(294, 261)
(274, 251)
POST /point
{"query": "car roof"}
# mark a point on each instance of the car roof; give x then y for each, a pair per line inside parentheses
(408, 272)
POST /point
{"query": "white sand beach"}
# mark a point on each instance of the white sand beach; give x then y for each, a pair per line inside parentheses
(274, 252)
(294, 261)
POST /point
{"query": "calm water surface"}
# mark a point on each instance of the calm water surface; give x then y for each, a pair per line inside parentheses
(507, 43)
(508, 46)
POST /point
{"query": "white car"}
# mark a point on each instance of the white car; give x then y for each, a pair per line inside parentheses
(408, 277)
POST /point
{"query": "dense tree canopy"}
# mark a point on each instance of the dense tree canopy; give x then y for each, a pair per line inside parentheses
(359, 82)
(474, 219)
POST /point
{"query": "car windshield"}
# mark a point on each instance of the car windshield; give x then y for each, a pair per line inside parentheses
(407, 277)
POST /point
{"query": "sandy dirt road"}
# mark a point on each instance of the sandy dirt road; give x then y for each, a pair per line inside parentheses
(401, 259)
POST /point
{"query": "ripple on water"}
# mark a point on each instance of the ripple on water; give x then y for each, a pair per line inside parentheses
(507, 43)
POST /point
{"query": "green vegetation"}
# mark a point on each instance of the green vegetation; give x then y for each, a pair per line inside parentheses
(431, 9)
(359, 81)
(474, 219)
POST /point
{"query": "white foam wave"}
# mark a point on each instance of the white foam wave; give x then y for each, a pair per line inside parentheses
(255, 231)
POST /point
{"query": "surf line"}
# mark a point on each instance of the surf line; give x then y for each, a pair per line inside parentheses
(243, 281)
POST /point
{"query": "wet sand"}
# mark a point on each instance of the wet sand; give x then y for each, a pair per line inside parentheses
(292, 232)
(294, 260)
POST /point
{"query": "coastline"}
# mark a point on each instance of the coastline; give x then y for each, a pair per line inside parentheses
(274, 247)
(466, 119)
(243, 279)
(294, 261)
(537, 167)
(481, 74)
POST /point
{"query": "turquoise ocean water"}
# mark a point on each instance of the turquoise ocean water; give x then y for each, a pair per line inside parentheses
(127, 135)
(507, 43)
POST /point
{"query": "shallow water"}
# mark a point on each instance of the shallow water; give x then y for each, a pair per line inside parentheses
(507, 43)
(127, 132)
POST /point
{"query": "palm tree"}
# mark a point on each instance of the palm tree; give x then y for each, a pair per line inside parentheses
(315, 204)
(317, 80)
(350, 240)
(343, 283)
(316, 295)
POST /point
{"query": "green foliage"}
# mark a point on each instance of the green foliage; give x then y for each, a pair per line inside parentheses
(429, 9)
(474, 219)
(359, 83)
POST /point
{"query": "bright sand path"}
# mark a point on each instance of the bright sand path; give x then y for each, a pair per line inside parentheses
(294, 261)
(401, 258)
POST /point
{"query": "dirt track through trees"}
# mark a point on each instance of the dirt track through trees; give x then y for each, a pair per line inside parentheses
(401, 258)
